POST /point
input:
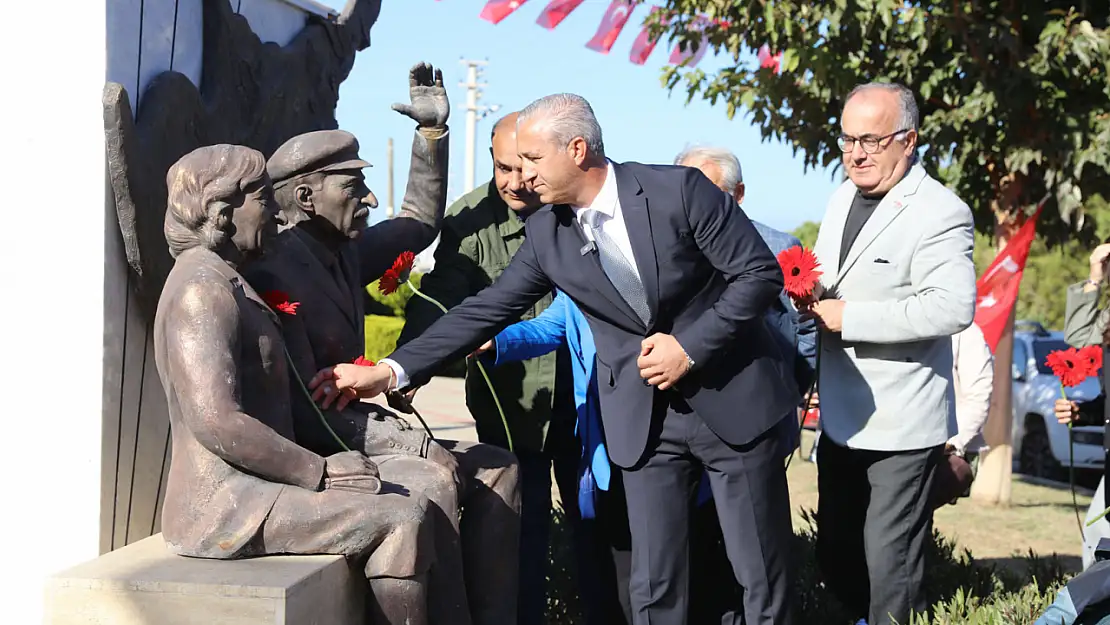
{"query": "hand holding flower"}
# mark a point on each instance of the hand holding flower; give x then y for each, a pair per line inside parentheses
(346, 382)
(1066, 411)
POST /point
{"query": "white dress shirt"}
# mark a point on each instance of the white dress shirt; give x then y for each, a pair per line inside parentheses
(972, 380)
(611, 221)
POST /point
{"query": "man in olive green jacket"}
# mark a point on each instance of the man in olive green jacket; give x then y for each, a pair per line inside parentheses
(481, 233)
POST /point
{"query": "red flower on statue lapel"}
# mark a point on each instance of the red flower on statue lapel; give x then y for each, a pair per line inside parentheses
(363, 362)
(1069, 365)
(800, 271)
(398, 274)
(279, 301)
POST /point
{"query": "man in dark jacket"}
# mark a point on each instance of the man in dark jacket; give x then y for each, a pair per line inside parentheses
(481, 233)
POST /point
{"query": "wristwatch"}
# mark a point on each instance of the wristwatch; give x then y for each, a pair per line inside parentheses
(689, 362)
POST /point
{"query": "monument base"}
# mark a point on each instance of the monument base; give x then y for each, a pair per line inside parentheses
(144, 583)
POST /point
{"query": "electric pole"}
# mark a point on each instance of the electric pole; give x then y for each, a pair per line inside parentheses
(389, 208)
(474, 112)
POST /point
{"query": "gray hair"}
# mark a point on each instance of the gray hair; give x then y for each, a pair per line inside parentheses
(731, 174)
(200, 184)
(908, 114)
(567, 116)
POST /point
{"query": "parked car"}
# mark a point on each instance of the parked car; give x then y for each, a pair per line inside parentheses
(1040, 442)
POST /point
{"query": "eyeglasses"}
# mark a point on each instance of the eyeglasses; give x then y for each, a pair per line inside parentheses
(869, 143)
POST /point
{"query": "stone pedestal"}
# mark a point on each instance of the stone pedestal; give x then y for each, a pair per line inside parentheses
(143, 583)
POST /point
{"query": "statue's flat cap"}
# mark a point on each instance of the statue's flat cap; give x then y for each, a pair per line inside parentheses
(312, 152)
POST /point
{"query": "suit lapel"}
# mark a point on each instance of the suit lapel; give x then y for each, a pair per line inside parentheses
(835, 222)
(886, 212)
(320, 276)
(592, 268)
(637, 221)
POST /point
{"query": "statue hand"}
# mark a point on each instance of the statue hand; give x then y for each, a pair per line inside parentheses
(351, 471)
(430, 106)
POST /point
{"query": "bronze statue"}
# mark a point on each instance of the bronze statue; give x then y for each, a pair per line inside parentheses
(324, 260)
(240, 484)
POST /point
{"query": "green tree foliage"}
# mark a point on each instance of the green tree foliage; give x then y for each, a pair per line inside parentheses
(1014, 94)
(807, 233)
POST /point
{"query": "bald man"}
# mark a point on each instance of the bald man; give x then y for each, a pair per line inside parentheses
(481, 233)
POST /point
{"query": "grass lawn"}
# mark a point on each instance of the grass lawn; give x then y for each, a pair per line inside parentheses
(1040, 518)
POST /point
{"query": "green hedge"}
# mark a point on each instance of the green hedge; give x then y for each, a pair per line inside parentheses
(961, 590)
(381, 335)
(382, 330)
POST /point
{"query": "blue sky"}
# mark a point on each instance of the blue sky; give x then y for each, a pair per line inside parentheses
(641, 121)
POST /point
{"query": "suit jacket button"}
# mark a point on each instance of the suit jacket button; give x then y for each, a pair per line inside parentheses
(391, 444)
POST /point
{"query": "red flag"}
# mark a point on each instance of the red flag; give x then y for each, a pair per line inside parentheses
(689, 57)
(645, 43)
(557, 11)
(611, 26)
(768, 60)
(997, 289)
(497, 10)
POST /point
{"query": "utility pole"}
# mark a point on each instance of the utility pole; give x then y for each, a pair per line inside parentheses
(474, 113)
(389, 208)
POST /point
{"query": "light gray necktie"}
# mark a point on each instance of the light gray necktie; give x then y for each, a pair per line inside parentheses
(619, 269)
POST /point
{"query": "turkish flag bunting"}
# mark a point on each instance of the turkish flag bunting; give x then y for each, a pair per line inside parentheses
(557, 11)
(645, 43)
(689, 57)
(611, 26)
(997, 289)
(497, 10)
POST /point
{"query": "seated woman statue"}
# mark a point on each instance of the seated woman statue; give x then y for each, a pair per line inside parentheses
(239, 483)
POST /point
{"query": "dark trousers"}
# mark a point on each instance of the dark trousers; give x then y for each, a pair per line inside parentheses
(597, 586)
(873, 521)
(753, 509)
(714, 593)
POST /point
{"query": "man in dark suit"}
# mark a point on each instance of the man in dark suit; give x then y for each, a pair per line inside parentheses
(674, 280)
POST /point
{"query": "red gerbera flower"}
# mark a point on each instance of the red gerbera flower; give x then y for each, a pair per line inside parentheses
(279, 301)
(398, 274)
(1092, 355)
(1068, 365)
(362, 362)
(800, 270)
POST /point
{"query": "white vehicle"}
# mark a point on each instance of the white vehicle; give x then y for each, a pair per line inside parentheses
(1040, 442)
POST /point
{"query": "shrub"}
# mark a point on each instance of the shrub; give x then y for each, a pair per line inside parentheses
(381, 335)
(397, 300)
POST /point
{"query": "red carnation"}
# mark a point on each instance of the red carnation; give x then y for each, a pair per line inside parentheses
(1092, 355)
(279, 301)
(1069, 366)
(800, 271)
(398, 274)
(362, 362)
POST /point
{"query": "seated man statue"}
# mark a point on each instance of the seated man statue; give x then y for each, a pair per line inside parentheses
(239, 483)
(323, 261)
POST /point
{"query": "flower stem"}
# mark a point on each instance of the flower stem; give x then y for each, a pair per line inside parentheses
(1098, 518)
(809, 396)
(1071, 467)
(481, 368)
(308, 396)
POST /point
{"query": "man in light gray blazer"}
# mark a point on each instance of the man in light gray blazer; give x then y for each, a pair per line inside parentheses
(895, 247)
